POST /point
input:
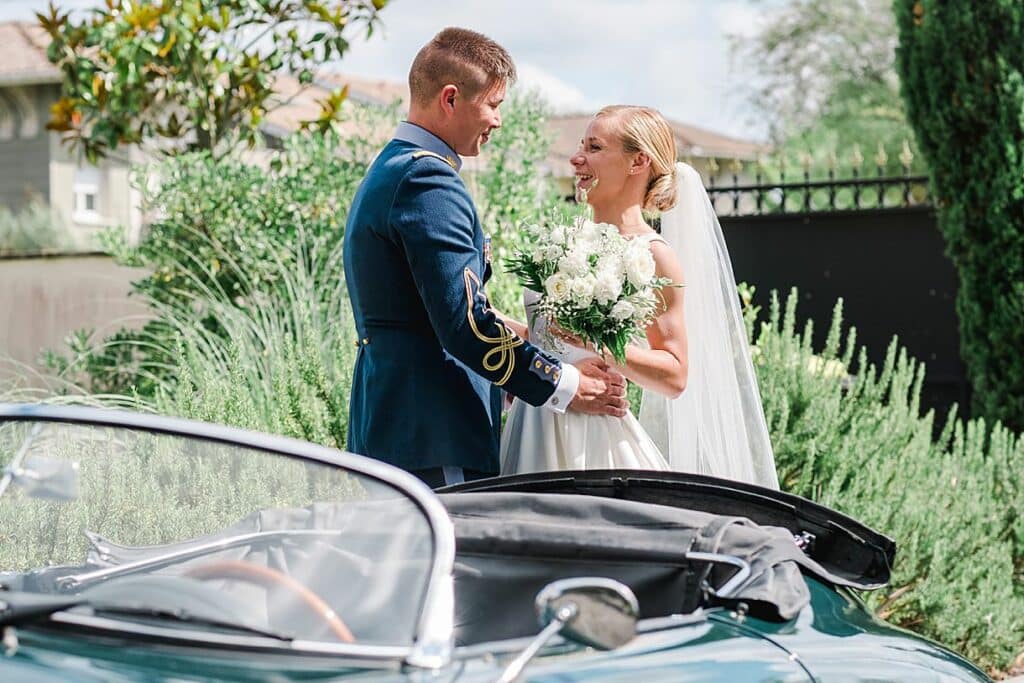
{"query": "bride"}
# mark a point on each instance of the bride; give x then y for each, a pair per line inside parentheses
(701, 410)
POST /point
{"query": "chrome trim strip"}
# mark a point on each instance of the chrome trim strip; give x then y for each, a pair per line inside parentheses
(735, 582)
(432, 647)
(643, 627)
(246, 642)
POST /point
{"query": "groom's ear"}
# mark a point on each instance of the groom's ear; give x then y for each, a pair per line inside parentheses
(449, 94)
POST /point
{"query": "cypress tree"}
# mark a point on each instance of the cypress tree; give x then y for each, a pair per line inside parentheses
(961, 63)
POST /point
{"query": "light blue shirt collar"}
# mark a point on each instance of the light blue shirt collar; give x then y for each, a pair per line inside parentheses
(423, 138)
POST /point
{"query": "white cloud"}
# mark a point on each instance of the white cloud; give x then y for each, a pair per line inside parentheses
(563, 97)
(740, 19)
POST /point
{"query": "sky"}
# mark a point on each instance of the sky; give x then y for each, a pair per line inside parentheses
(581, 54)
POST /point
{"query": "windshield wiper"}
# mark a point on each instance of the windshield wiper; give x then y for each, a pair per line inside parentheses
(186, 617)
(189, 551)
(21, 608)
(26, 607)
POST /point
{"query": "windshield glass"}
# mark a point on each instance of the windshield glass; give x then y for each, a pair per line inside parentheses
(145, 526)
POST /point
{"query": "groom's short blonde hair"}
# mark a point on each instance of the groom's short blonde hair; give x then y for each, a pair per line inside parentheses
(457, 56)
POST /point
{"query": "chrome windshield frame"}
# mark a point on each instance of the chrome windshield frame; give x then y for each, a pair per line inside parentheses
(432, 645)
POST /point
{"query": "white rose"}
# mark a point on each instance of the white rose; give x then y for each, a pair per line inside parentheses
(585, 238)
(589, 232)
(574, 264)
(642, 318)
(552, 252)
(612, 264)
(639, 266)
(622, 310)
(583, 290)
(608, 287)
(539, 252)
(557, 288)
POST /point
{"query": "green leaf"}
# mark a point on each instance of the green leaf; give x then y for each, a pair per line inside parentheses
(201, 61)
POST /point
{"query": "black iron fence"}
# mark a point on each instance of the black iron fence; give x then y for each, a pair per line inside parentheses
(869, 237)
(887, 264)
(771, 190)
(807, 196)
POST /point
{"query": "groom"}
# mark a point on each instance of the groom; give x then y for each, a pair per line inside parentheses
(433, 355)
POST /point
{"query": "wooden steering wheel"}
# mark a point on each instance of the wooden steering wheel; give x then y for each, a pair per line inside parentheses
(271, 578)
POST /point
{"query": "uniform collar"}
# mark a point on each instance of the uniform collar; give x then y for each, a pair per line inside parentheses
(423, 138)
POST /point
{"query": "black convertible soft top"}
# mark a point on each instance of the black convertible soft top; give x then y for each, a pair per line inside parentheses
(623, 521)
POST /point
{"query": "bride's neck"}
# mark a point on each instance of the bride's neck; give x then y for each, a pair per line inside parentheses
(629, 219)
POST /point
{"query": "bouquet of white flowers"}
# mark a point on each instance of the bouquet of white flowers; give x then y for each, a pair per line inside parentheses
(593, 282)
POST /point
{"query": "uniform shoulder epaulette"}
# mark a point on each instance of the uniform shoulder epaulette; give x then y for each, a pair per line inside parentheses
(427, 153)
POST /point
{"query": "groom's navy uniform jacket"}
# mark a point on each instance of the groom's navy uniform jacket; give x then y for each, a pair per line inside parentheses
(432, 355)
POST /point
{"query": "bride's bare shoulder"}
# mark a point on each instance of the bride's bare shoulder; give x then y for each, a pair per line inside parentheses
(666, 260)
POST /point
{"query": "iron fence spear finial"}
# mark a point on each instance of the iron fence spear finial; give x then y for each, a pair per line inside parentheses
(906, 156)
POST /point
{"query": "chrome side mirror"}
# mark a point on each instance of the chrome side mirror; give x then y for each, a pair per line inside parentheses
(596, 612)
(599, 613)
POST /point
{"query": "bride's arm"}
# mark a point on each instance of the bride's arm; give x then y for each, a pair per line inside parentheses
(661, 368)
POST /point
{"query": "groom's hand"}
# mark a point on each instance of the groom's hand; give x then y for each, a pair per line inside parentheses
(602, 391)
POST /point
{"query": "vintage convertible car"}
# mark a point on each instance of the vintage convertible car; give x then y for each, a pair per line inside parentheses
(136, 547)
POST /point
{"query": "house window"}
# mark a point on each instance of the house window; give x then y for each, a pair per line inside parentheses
(87, 191)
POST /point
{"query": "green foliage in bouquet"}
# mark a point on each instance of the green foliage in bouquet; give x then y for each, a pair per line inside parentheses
(593, 282)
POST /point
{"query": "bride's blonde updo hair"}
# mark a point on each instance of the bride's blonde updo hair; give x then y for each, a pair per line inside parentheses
(643, 129)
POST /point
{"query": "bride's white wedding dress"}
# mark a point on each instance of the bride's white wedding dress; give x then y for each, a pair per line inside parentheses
(717, 427)
(538, 439)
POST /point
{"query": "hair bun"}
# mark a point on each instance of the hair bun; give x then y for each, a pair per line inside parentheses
(661, 192)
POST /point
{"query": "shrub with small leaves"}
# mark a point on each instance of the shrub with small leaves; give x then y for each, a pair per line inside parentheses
(34, 229)
(961, 66)
(281, 358)
(850, 436)
(223, 229)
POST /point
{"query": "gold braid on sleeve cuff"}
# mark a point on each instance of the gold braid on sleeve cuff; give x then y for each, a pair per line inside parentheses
(501, 356)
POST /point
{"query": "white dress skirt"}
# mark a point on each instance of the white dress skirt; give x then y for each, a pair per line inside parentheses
(539, 439)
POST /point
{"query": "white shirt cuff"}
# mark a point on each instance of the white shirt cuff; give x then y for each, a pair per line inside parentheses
(568, 383)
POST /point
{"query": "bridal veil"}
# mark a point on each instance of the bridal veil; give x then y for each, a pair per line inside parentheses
(717, 426)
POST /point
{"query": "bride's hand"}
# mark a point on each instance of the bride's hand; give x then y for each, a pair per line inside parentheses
(568, 337)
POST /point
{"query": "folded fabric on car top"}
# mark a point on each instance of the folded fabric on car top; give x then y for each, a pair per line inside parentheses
(560, 535)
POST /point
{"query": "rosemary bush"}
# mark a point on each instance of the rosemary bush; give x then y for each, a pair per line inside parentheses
(281, 358)
(851, 436)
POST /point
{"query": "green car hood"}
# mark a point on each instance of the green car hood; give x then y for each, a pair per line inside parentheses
(711, 649)
(833, 639)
